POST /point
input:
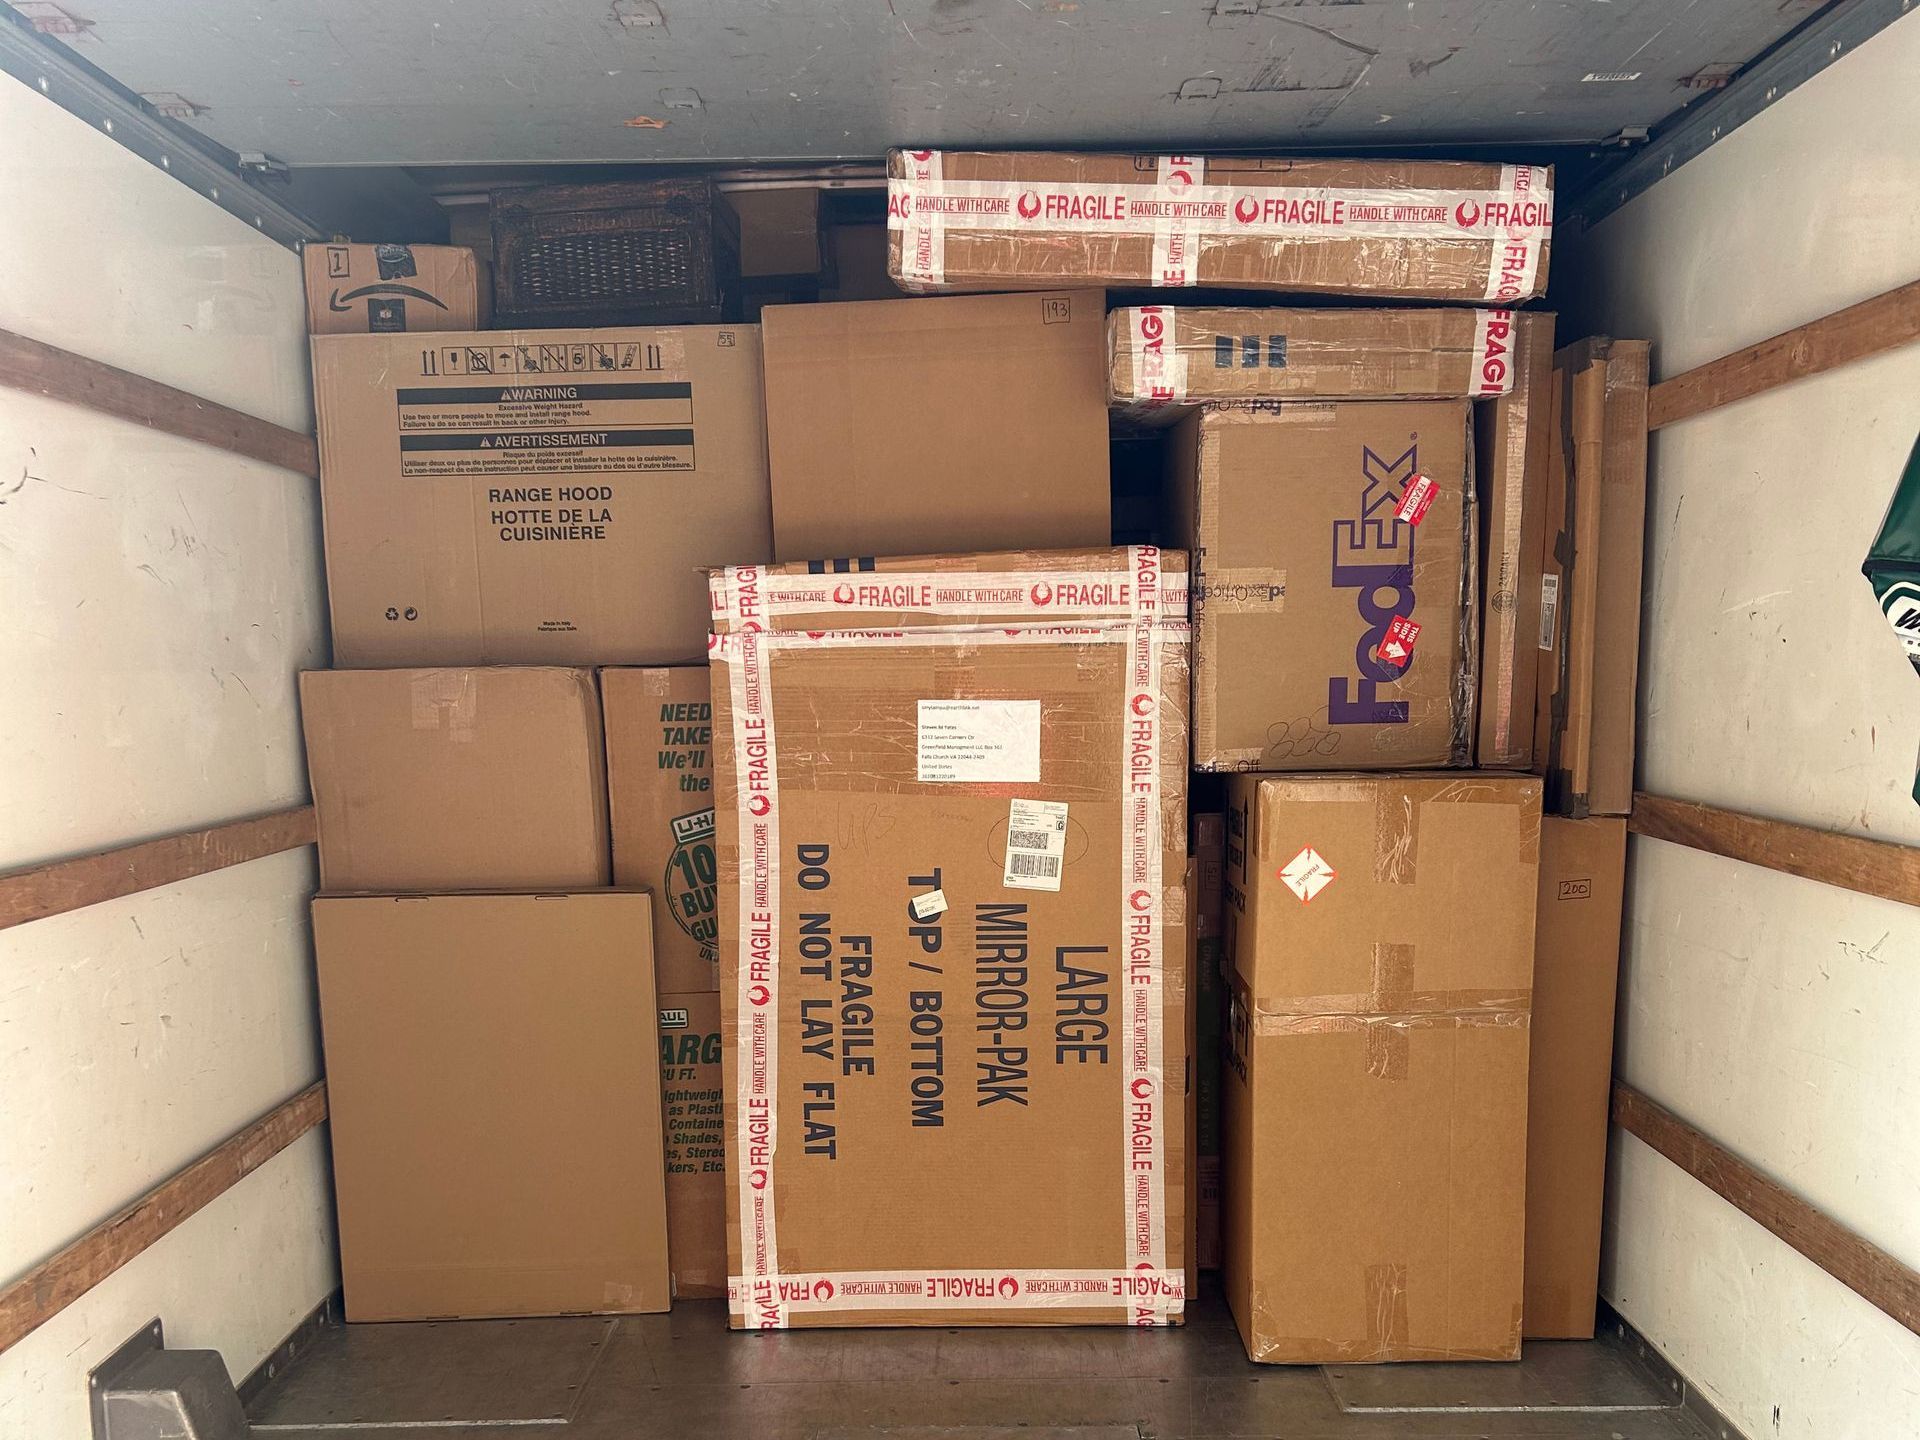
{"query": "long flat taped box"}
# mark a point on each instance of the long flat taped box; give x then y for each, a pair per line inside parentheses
(386, 289)
(1330, 633)
(1419, 229)
(1164, 359)
(1513, 436)
(461, 779)
(916, 427)
(536, 497)
(1589, 654)
(953, 990)
(1381, 934)
(493, 1103)
(660, 788)
(1576, 973)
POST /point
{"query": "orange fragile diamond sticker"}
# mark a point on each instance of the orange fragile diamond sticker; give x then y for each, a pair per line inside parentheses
(1307, 874)
(1416, 499)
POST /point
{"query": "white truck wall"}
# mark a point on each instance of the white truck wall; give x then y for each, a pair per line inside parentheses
(1774, 1013)
(158, 597)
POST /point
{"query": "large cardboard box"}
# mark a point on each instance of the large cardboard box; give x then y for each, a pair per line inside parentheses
(1420, 229)
(386, 289)
(921, 427)
(1381, 933)
(1576, 973)
(1513, 436)
(493, 1103)
(952, 844)
(660, 785)
(1207, 900)
(1590, 586)
(463, 779)
(536, 497)
(1330, 634)
(1164, 359)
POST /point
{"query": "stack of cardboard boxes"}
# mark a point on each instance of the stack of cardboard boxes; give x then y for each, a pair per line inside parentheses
(958, 1018)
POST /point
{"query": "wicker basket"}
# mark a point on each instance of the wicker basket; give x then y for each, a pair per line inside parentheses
(655, 252)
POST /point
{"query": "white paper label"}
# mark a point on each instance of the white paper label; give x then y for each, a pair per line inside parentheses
(1036, 844)
(926, 906)
(1549, 610)
(1307, 874)
(997, 740)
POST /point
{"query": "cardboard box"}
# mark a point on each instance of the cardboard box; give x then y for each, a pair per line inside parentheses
(1164, 359)
(494, 1110)
(387, 289)
(1590, 586)
(529, 497)
(1576, 973)
(779, 231)
(690, 1088)
(660, 789)
(980, 1107)
(456, 779)
(1306, 581)
(1207, 894)
(921, 427)
(1420, 229)
(1381, 933)
(1191, 887)
(1512, 439)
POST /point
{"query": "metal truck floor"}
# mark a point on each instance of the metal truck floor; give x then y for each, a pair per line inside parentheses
(686, 1377)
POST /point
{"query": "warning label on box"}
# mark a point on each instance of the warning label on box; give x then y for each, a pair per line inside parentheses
(561, 428)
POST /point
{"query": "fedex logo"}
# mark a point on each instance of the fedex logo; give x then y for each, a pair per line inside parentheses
(1373, 557)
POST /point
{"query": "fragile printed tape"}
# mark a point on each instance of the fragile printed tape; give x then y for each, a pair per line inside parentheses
(1492, 353)
(1159, 365)
(1158, 1291)
(1516, 218)
(743, 595)
(1175, 178)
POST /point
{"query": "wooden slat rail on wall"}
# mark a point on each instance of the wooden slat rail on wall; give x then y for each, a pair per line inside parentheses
(1857, 1263)
(47, 1289)
(1872, 327)
(58, 374)
(1871, 867)
(62, 885)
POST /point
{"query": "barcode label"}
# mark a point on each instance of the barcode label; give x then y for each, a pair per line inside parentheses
(1549, 610)
(1036, 845)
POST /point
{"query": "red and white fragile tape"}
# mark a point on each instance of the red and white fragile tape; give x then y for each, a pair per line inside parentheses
(747, 597)
(762, 1295)
(1157, 1292)
(1180, 211)
(1492, 353)
(1159, 366)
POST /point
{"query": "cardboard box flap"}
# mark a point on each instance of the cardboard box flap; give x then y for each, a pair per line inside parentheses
(1029, 587)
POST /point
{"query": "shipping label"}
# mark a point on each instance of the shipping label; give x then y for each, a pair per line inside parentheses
(979, 740)
(1036, 844)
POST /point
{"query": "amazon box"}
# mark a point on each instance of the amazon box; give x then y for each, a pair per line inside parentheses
(1419, 229)
(920, 427)
(1381, 935)
(385, 289)
(1576, 974)
(1335, 601)
(536, 497)
(475, 779)
(952, 843)
(493, 1104)
(1162, 360)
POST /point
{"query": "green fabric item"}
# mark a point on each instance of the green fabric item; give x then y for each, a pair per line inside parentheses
(1893, 566)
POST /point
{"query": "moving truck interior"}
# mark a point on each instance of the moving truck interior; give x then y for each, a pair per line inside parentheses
(960, 718)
